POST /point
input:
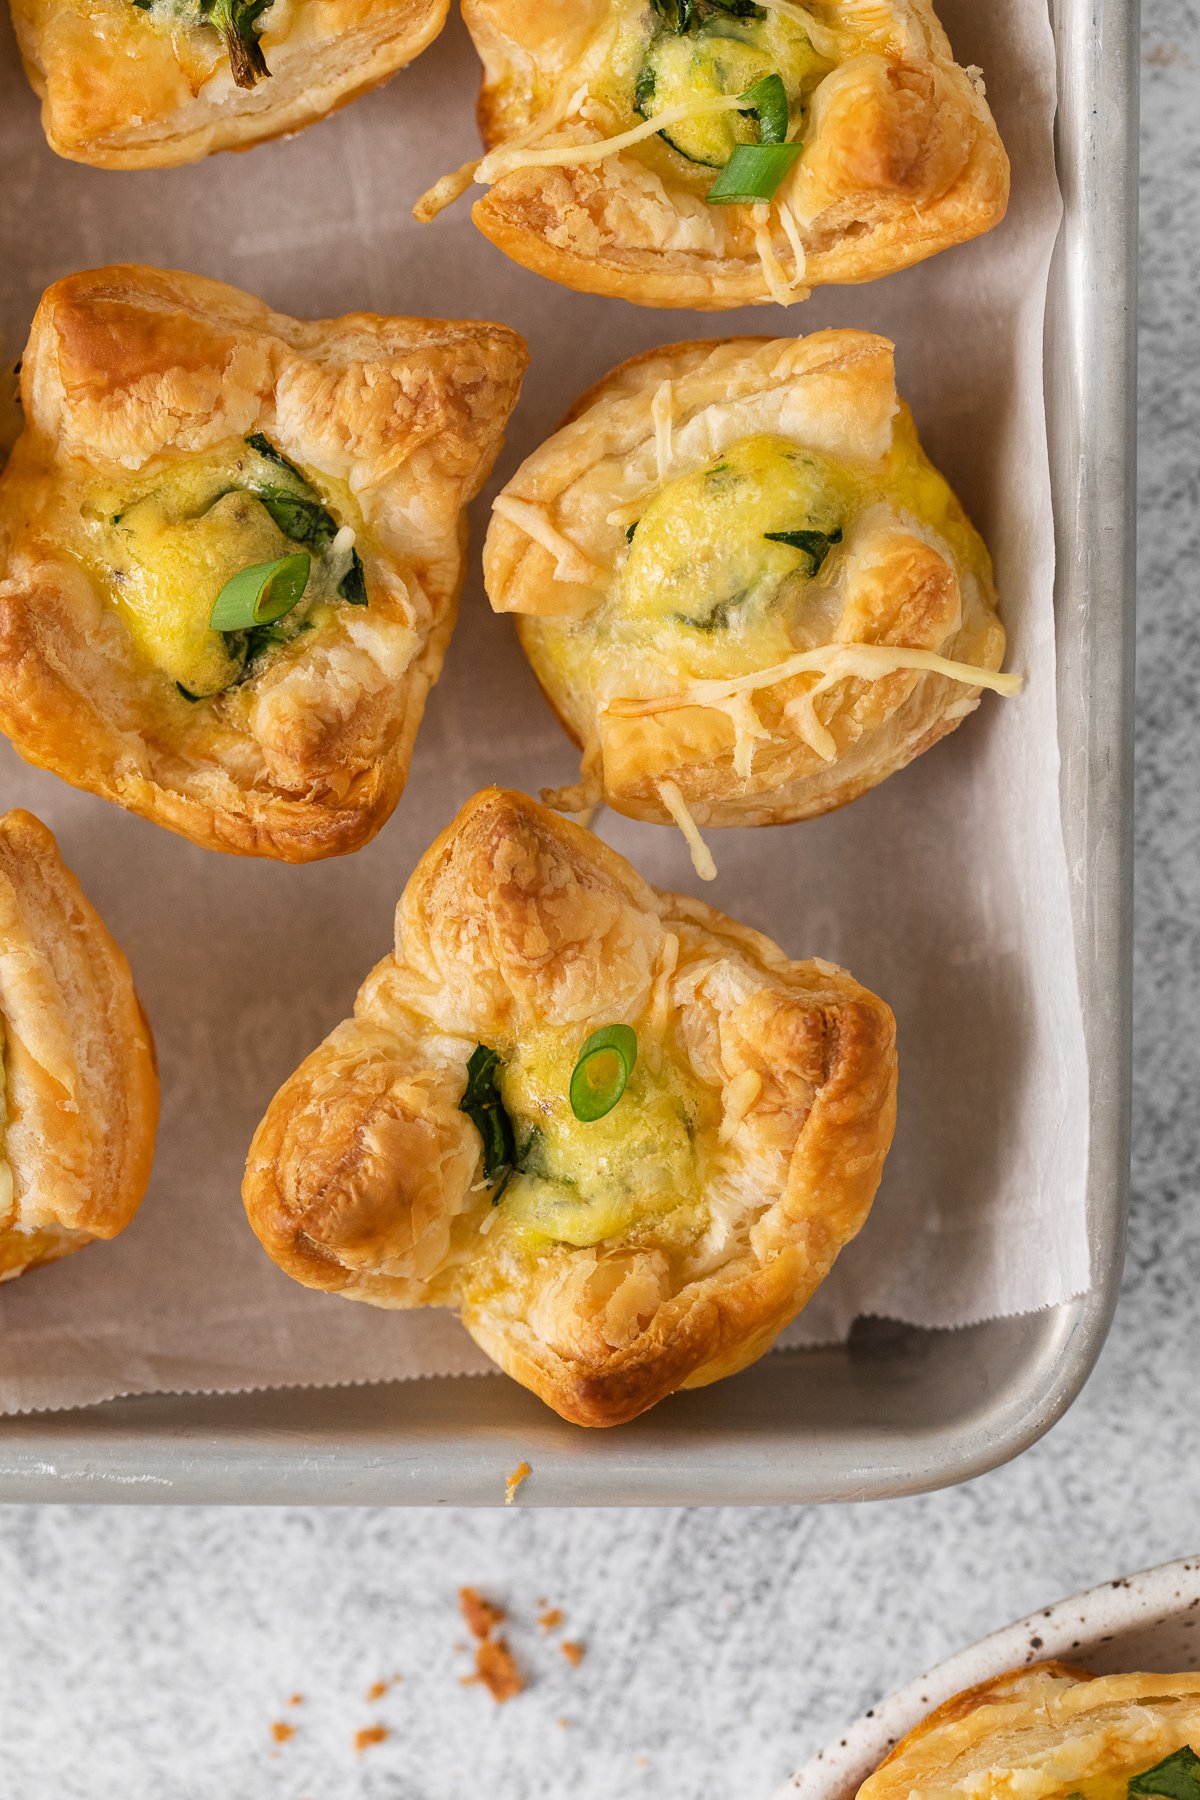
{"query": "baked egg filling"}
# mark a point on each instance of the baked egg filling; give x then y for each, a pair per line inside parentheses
(733, 567)
(581, 1180)
(167, 551)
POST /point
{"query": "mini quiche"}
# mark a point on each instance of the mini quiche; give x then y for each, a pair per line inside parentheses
(717, 153)
(143, 84)
(623, 1136)
(78, 1089)
(231, 545)
(1053, 1733)
(744, 589)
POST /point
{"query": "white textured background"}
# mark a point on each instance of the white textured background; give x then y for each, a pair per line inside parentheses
(144, 1653)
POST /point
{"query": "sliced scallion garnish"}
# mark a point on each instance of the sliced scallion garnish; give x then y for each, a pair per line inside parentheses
(261, 594)
(752, 174)
(602, 1073)
(768, 101)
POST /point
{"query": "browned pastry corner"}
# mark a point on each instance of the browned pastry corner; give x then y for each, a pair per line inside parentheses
(78, 1088)
(743, 587)
(603, 1261)
(1051, 1732)
(143, 84)
(180, 435)
(901, 157)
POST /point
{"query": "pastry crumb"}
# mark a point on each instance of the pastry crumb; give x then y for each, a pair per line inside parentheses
(551, 1619)
(281, 1731)
(496, 1670)
(370, 1734)
(296, 1700)
(563, 1724)
(481, 1615)
(521, 1473)
(574, 1652)
(376, 1691)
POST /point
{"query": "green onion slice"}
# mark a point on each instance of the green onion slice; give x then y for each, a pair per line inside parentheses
(602, 1073)
(768, 101)
(261, 594)
(752, 174)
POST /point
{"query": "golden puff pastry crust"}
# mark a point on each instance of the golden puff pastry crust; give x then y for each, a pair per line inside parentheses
(1051, 1732)
(603, 1263)
(740, 581)
(177, 432)
(78, 1088)
(142, 84)
(901, 157)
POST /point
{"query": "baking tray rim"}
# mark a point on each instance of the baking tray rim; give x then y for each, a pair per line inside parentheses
(427, 1442)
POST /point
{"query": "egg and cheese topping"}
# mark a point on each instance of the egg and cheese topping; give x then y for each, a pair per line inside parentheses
(733, 567)
(642, 1164)
(164, 552)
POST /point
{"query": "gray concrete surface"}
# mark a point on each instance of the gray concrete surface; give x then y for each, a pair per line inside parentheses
(145, 1654)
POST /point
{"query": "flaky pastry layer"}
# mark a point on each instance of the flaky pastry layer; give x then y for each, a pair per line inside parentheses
(901, 158)
(132, 376)
(767, 1090)
(721, 707)
(127, 86)
(1043, 1733)
(79, 1094)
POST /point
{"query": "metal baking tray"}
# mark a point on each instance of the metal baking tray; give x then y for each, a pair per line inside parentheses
(896, 1409)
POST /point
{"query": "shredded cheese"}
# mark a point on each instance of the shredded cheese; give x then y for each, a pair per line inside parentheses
(570, 563)
(676, 805)
(739, 1096)
(791, 230)
(448, 188)
(663, 417)
(748, 728)
(444, 192)
(507, 157)
(836, 662)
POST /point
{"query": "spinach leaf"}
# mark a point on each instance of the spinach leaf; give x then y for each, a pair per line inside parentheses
(1177, 1777)
(353, 585)
(266, 448)
(235, 20)
(676, 15)
(484, 1106)
(718, 618)
(816, 545)
(304, 521)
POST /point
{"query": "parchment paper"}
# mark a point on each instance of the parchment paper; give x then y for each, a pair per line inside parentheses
(945, 889)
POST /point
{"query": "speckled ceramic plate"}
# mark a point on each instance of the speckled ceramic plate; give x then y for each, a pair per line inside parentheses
(1146, 1621)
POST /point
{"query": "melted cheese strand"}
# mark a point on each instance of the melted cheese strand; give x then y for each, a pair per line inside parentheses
(570, 563)
(869, 662)
(791, 230)
(738, 1097)
(444, 192)
(700, 853)
(508, 157)
(448, 188)
(783, 289)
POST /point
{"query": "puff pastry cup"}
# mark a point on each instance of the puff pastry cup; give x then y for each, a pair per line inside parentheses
(78, 1088)
(603, 1261)
(143, 84)
(607, 120)
(1051, 1732)
(744, 589)
(177, 434)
